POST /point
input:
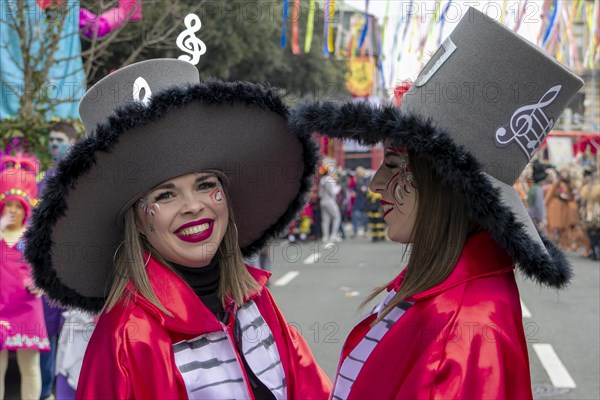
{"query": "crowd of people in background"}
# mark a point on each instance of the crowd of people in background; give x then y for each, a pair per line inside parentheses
(564, 203)
(341, 206)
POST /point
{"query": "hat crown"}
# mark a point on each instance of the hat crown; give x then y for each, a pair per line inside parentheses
(484, 88)
(134, 83)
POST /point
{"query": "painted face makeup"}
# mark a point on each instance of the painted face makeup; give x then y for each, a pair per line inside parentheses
(58, 144)
(395, 182)
(185, 218)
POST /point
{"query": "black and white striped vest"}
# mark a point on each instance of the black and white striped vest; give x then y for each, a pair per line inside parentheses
(211, 368)
(352, 365)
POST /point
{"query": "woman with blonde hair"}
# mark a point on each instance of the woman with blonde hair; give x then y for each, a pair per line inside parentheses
(147, 220)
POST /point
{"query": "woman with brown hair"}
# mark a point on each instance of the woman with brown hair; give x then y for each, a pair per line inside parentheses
(450, 323)
(147, 220)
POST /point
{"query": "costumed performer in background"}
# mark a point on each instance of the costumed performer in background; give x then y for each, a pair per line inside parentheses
(22, 326)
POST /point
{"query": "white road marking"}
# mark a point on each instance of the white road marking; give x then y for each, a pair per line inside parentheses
(525, 310)
(313, 258)
(555, 369)
(287, 278)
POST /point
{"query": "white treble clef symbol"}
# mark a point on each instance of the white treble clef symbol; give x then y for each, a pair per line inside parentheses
(529, 125)
(141, 91)
(188, 42)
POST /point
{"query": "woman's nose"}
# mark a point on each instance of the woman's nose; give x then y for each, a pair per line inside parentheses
(193, 205)
(377, 183)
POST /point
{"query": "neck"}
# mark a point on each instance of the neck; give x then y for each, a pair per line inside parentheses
(12, 234)
(203, 280)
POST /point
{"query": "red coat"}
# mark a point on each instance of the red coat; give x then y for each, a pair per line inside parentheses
(462, 339)
(131, 353)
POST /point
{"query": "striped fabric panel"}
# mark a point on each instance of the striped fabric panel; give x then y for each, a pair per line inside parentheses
(353, 364)
(210, 368)
(260, 350)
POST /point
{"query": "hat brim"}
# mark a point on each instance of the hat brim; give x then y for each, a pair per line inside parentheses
(239, 129)
(492, 206)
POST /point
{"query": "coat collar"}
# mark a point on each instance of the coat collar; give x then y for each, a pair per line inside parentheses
(190, 315)
(481, 256)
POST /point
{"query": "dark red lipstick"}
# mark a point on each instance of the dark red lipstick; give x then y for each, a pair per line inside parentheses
(196, 237)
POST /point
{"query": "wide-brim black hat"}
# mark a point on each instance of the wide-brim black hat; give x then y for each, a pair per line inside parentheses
(479, 110)
(237, 128)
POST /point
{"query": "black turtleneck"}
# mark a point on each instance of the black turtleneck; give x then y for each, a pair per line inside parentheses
(204, 282)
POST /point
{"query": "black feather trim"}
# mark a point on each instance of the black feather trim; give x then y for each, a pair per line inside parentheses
(38, 249)
(370, 125)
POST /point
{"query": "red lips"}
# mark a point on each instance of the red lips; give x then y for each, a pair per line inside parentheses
(386, 203)
(197, 237)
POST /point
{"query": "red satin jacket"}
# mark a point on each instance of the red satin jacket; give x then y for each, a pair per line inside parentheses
(131, 356)
(462, 339)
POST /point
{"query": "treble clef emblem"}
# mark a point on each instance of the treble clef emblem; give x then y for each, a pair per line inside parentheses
(188, 42)
(529, 125)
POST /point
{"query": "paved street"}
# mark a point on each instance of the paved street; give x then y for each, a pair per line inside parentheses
(320, 291)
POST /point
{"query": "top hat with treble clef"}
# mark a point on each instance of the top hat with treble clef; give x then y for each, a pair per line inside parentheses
(479, 110)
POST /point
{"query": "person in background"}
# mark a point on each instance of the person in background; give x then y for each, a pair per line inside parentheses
(73, 340)
(361, 186)
(62, 136)
(558, 198)
(536, 205)
(590, 195)
(306, 221)
(331, 216)
(314, 201)
(376, 222)
(22, 326)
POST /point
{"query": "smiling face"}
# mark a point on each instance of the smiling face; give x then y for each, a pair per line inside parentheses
(185, 218)
(394, 181)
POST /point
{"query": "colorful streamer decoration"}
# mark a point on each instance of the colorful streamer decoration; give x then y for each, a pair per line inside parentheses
(284, 24)
(296, 17)
(340, 34)
(330, 27)
(417, 34)
(365, 30)
(310, 25)
(443, 19)
(380, 60)
(520, 16)
(551, 24)
(326, 30)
